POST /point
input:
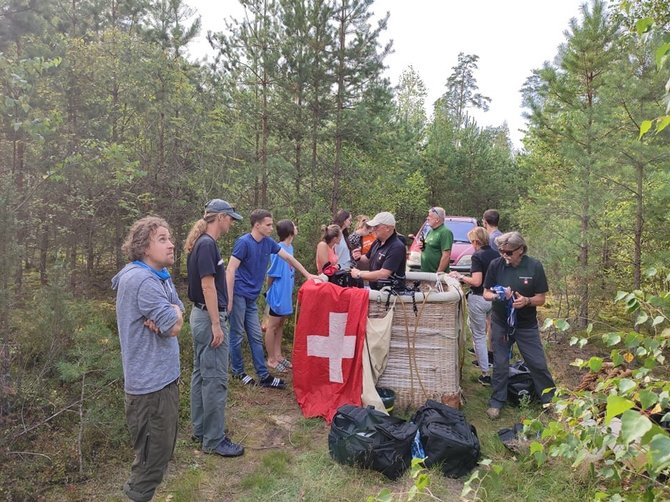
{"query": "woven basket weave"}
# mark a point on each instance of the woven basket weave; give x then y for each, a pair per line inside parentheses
(426, 351)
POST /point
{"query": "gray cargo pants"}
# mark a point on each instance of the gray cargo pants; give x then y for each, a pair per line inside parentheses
(209, 381)
(530, 346)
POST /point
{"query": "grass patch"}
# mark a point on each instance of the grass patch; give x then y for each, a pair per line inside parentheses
(264, 479)
(186, 486)
(303, 432)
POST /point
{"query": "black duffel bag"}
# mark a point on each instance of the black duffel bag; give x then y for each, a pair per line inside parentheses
(365, 437)
(520, 385)
(447, 438)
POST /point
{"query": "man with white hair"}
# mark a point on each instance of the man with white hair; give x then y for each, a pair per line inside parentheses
(517, 285)
(386, 258)
(436, 249)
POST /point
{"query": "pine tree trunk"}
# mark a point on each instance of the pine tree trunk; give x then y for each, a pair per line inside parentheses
(639, 226)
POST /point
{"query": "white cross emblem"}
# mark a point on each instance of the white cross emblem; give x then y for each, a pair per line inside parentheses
(335, 346)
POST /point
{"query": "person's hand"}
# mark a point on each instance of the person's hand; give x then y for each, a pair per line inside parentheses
(230, 306)
(520, 301)
(315, 278)
(177, 309)
(152, 326)
(456, 275)
(502, 292)
(217, 335)
(355, 273)
(356, 253)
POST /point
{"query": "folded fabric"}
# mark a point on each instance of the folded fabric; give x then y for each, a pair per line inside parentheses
(501, 291)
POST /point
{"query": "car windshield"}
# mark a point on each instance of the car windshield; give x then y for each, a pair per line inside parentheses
(460, 229)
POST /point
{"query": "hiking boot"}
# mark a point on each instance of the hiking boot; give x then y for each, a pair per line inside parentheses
(272, 382)
(493, 413)
(227, 448)
(485, 380)
(246, 379)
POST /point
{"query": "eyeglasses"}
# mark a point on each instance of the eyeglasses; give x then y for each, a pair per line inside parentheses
(509, 252)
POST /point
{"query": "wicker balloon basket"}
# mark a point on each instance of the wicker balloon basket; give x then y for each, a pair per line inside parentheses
(427, 341)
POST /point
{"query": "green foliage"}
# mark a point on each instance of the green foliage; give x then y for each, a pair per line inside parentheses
(645, 28)
(618, 427)
(69, 405)
(420, 485)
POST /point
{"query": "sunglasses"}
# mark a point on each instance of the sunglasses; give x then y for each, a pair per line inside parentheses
(509, 252)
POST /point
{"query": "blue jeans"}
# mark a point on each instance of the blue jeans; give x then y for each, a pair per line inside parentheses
(209, 381)
(244, 317)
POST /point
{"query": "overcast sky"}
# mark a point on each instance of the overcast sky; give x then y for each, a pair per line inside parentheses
(510, 37)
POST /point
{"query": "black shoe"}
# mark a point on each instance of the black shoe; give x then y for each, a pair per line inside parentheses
(272, 382)
(227, 448)
(246, 379)
(476, 363)
(485, 380)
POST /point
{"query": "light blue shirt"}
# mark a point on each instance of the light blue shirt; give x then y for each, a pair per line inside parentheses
(280, 294)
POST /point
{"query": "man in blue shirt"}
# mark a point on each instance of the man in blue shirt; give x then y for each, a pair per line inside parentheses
(244, 276)
(490, 222)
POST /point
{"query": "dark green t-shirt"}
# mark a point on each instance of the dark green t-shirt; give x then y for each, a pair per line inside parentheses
(438, 240)
(527, 279)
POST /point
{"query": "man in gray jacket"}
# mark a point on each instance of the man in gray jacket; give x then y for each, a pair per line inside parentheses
(149, 318)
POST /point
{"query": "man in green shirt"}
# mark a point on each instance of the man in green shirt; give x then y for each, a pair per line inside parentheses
(437, 244)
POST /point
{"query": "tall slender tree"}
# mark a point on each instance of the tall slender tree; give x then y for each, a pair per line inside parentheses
(461, 92)
(359, 62)
(570, 114)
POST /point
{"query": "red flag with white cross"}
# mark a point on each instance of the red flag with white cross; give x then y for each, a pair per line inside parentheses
(327, 348)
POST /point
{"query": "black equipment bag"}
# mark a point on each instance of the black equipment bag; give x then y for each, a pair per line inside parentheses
(365, 437)
(342, 278)
(447, 438)
(520, 384)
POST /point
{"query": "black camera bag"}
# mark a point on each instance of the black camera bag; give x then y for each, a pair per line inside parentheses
(520, 384)
(342, 278)
(365, 437)
(447, 438)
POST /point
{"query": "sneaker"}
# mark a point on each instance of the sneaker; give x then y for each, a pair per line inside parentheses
(227, 448)
(493, 413)
(471, 350)
(485, 380)
(272, 382)
(246, 379)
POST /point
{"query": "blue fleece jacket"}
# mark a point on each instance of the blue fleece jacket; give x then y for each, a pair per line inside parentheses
(150, 360)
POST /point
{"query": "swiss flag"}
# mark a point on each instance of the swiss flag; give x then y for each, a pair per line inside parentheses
(327, 348)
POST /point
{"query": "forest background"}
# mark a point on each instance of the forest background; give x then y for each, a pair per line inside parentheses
(105, 120)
